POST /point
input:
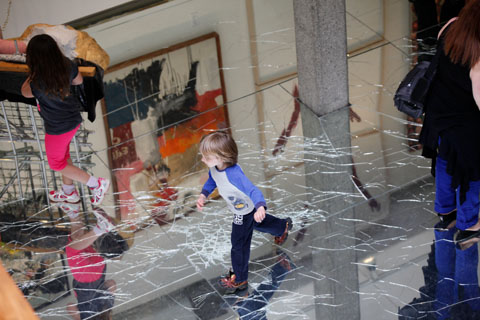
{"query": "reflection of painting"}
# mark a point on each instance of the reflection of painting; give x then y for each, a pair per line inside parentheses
(157, 108)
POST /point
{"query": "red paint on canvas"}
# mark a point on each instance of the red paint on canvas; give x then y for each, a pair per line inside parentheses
(179, 138)
(123, 153)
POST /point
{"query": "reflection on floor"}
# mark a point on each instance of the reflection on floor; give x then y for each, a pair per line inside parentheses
(363, 244)
(376, 258)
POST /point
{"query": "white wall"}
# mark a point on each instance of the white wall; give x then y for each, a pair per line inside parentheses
(26, 12)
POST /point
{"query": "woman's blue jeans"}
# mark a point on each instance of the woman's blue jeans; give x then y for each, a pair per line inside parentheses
(448, 198)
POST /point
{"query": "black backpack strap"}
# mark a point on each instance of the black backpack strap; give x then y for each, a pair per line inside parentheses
(430, 73)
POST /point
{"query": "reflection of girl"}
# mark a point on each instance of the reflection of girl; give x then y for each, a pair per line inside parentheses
(451, 131)
(49, 80)
(94, 293)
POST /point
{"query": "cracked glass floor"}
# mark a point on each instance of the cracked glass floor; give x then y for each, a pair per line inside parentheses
(360, 197)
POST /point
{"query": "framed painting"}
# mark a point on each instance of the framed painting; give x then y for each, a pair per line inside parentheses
(157, 107)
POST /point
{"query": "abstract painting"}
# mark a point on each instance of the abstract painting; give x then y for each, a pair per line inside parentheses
(157, 107)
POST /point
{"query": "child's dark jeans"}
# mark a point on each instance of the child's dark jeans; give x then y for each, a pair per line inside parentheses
(242, 230)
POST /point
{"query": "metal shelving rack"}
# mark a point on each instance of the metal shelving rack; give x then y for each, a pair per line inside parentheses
(24, 171)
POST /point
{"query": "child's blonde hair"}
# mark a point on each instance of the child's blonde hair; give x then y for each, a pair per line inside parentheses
(222, 145)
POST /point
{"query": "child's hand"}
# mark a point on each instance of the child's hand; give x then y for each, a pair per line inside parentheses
(259, 215)
(201, 202)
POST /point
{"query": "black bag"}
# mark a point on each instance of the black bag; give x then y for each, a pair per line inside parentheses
(410, 95)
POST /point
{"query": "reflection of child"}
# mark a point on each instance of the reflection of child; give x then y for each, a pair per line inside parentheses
(254, 306)
(50, 77)
(219, 153)
(94, 293)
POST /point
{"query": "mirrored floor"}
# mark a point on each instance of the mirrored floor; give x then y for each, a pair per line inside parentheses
(360, 196)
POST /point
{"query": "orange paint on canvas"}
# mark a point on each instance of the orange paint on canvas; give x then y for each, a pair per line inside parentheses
(178, 139)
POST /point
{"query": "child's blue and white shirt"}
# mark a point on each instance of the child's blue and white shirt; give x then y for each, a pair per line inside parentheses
(241, 195)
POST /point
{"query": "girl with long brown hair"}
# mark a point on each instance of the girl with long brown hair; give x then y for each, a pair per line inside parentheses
(50, 77)
(451, 129)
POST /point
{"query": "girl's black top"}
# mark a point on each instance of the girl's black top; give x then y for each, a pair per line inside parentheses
(451, 127)
(59, 116)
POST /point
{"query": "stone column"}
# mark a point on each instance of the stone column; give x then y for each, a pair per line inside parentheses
(320, 32)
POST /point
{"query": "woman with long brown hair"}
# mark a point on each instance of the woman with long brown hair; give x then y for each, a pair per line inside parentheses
(50, 77)
(451, 130)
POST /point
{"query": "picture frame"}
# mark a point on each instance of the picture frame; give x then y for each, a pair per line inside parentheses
(156, 109)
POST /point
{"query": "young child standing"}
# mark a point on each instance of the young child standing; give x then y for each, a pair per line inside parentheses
(219, 152)
(49, 80)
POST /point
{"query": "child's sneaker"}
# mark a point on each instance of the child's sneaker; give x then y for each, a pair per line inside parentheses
(231, 286)
(61, 196)
(98, 193)
(281, 239)
(71, 209)
(104, 222)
